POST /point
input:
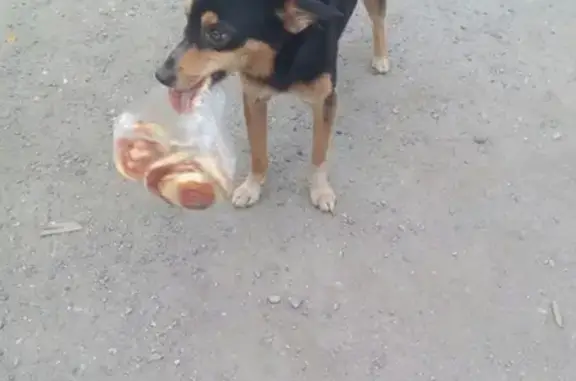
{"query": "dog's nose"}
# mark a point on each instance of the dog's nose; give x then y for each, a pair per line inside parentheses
(165, 77)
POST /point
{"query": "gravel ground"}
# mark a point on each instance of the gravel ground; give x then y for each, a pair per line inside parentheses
(453, 238)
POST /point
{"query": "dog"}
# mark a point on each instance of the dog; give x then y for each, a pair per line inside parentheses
(275, 46)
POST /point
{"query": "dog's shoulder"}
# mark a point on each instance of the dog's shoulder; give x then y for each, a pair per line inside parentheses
(304, 59)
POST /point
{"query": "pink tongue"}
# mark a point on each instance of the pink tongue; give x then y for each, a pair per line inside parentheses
(181, 101)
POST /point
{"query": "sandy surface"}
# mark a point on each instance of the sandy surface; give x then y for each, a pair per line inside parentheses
(455, 225)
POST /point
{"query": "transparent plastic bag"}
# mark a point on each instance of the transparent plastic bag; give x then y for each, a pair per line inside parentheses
(182, 157)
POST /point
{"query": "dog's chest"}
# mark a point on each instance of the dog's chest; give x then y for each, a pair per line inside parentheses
(256, 90)
(313, 92)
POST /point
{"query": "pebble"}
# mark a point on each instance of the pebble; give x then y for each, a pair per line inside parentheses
(556, 313)
(557, 136)
(295, 302)
(378, 363)
(347, 219)
(274, 299)
(155, 357)
(4, 297)
(480, 139)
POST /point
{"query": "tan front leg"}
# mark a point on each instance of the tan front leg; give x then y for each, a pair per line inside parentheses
(377, 11)
(321, 193)
(255, 115)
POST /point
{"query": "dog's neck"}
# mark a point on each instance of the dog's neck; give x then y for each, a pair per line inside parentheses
(272, 65)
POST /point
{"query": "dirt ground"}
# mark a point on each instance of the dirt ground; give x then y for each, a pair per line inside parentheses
(454, 235)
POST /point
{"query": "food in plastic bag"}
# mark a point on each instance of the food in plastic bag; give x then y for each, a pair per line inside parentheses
(136, 153)
(175, 146)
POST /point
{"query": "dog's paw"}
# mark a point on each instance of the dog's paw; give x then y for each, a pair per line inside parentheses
(323, 198)
(321, 193)
(247, 194)
(381, 65)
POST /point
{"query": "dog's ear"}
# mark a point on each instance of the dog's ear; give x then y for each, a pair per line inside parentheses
(188, 6)
(298, 15)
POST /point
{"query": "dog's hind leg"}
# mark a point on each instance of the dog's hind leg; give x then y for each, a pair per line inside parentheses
(377, 12)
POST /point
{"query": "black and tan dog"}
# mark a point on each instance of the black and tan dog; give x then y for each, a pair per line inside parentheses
(275, 46)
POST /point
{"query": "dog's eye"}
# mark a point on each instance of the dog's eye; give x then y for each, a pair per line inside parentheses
(216, 37)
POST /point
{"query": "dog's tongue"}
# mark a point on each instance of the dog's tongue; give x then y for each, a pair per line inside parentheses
(181, 101)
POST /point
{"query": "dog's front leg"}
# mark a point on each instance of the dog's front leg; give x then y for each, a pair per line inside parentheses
(321, 192)
(255, 116)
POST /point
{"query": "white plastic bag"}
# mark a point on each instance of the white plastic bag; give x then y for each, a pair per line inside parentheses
(182, 157)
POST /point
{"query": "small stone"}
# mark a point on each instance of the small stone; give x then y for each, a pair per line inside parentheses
(295, 302)
(336, 306)
(177, 362)
(395, 110)
(155, 357)
(556, 314)
(480, 139)
(557, 136)
(274, 299)
(4, 297)
(112, 351)
(268, 339)
(378, 363)
(348, 220)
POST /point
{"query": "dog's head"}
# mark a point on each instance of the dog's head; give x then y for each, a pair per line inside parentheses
(227, 36)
